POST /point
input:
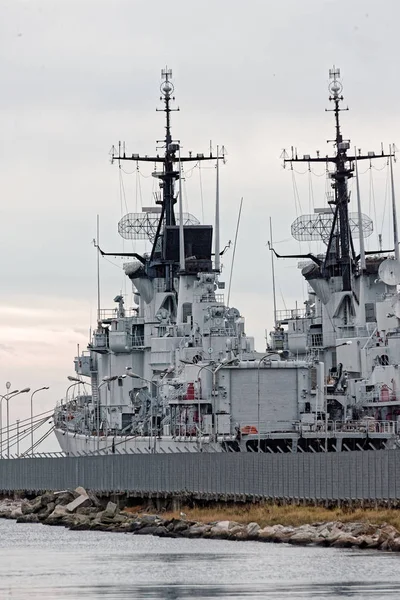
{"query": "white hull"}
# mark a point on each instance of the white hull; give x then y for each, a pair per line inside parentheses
(78, 444)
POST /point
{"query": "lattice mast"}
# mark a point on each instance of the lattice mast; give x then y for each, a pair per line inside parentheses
(340, 259)
(167, 176)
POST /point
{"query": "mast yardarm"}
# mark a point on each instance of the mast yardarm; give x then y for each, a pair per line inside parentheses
(168, 174)
(340, 259)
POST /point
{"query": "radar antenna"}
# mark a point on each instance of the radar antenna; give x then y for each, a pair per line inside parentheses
(340, 259)
(319, 225)
(159, 264)
(143, 226)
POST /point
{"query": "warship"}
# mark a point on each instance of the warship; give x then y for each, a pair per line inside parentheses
(178, 373)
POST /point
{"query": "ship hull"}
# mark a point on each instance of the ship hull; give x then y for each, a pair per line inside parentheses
(76, 444)
(90, 444)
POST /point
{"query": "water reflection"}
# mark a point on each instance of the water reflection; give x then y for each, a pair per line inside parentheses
(354, 590)
(48, 563)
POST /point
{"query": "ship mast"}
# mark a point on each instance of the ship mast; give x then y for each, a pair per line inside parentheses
(340, 258)
(159, 265)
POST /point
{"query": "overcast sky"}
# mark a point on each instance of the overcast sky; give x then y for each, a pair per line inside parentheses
(79, 75)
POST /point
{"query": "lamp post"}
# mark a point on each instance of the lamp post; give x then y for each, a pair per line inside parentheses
(75, 381)
(33, 393)
(1, 415)
(8, 398)
(17, 423)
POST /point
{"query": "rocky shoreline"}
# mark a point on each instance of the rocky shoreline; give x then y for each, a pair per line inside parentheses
(82, 510)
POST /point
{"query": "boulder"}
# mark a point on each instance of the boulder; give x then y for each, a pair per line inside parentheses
(80, 491)
(178, 526)
(222, 525)
(357, 529)
(368, 541)
(197, 531)
(111, 509)
(345, 541)
(266, 534)
(150, 519)
(253, 529)
(94, 499)
(46, 511)
(31, 507)
(282, 535)
(161, 531)
(48, 497)
(58, 512)
(301, 538)
(147, 530)
(64, 498)
(216, 533)
(30, 518)
(86, 510)
(80, 526)
(387, 532)
(323, 533)
(17, 512)
(395, 544)
(79, 502)
(240, 534)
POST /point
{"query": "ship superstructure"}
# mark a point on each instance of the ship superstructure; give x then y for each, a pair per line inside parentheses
(177, 373)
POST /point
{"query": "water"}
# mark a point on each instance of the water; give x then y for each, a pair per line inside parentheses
(40, 562)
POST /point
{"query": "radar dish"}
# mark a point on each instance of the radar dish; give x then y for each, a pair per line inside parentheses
(389, 271)
(143, 226)
(319, 225)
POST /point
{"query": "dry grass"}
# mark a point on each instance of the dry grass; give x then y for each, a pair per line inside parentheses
(285, 515)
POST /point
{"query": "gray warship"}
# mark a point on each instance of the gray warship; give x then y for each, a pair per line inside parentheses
(177, 372)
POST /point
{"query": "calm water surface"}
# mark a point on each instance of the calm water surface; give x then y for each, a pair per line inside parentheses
(53, 563)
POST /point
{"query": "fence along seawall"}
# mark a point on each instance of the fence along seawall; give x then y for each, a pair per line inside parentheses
(366, 476)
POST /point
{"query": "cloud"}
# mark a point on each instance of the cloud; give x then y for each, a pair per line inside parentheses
(7, 349)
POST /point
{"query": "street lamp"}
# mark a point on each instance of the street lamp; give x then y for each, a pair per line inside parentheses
(8, 385)
(70, 378)
(75, 381)
(8, 398)
(33, 393)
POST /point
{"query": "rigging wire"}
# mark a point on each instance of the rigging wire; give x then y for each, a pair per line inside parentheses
(201, 195)
(386, 198)
(372, 202)
(311, 205)
(297, 204)
(234, 250)
(22, 434)
(111, 262)
(38, 442)
(138, 189)
(123, 190)
(182, 174)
